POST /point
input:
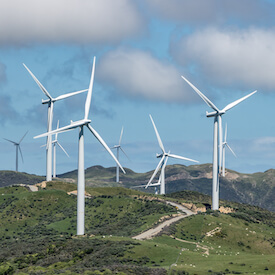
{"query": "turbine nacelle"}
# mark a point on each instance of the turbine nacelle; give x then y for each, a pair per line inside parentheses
(159, 155)
(213, 114)
(45, 101)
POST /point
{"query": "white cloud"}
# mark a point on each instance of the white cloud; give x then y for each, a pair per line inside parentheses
(215, 12)
(137, 73)
(243, 57)
(74, 21)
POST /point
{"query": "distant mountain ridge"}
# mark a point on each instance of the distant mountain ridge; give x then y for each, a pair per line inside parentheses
(255, 189)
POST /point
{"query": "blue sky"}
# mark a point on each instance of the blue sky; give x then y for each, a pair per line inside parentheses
(225, 48)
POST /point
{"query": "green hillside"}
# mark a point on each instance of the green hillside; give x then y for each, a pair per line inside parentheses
(37, 234)
(8, 178)
(256, 189)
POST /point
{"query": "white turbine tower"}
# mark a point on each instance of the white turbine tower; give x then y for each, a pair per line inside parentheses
(162, 164)
(56, 143)
(50, 101)
(217, 144)
(17, 146)
(225, 144)
(81, 172)
(118, 147)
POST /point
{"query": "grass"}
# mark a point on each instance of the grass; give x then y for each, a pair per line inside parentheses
(37, 235)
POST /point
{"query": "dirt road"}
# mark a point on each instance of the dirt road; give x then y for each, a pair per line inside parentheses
(149, 234)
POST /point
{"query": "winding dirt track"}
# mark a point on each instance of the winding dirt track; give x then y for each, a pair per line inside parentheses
(149, 234)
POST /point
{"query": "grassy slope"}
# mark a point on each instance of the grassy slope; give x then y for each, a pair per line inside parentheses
(36, 233)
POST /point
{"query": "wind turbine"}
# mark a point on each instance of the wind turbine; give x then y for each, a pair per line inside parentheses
(117, 147)
(217, 114)
(81, 172)
(17, 146)
(50, 101)
(163, 161)
(225, 144)
(55, 142)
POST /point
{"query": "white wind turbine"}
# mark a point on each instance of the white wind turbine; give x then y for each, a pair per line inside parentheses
(81, 172)
(225, 144)
(56, 143)
(118, 147)
(50, 101)
(163, 161)
(17, 146)
(217, 144)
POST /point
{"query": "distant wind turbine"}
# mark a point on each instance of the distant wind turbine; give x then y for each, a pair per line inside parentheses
(225, 144)
(163, 161)
(118, 147)
(217, 114)
(81, 172)
(50, 101)
(55, 142)
(18, 148)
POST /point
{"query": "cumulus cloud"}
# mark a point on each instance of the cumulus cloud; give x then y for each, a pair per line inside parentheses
(73, 21)
(245, 57)
(199, 12)
(137, 73)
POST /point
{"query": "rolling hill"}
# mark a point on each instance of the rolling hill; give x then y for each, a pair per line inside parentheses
(255, 189)
(37, 234)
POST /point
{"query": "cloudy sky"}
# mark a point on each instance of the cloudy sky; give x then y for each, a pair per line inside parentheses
(225, 48)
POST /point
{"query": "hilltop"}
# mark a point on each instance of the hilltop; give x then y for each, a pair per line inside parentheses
(37, 234)
(255, 189)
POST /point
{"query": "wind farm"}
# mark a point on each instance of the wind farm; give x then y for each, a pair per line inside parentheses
(81, 175)
(176, 192)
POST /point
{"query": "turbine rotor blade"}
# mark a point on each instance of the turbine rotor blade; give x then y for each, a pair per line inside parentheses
(124, 152)
(23, 137)
(204, 98)
(180, 157)
(120, 136)
(230, 149)
(63, 129)
(156, 170)
(225, 134)
(69, 95)
(165, 162)
(89, 95)
(233, 104)
(62, 149)
(157, 134)
(98, 137)
(10, 141)
(20, 153)
(38, 83)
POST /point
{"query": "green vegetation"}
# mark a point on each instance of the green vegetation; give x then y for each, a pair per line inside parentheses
(37, 234)
(8, 178)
